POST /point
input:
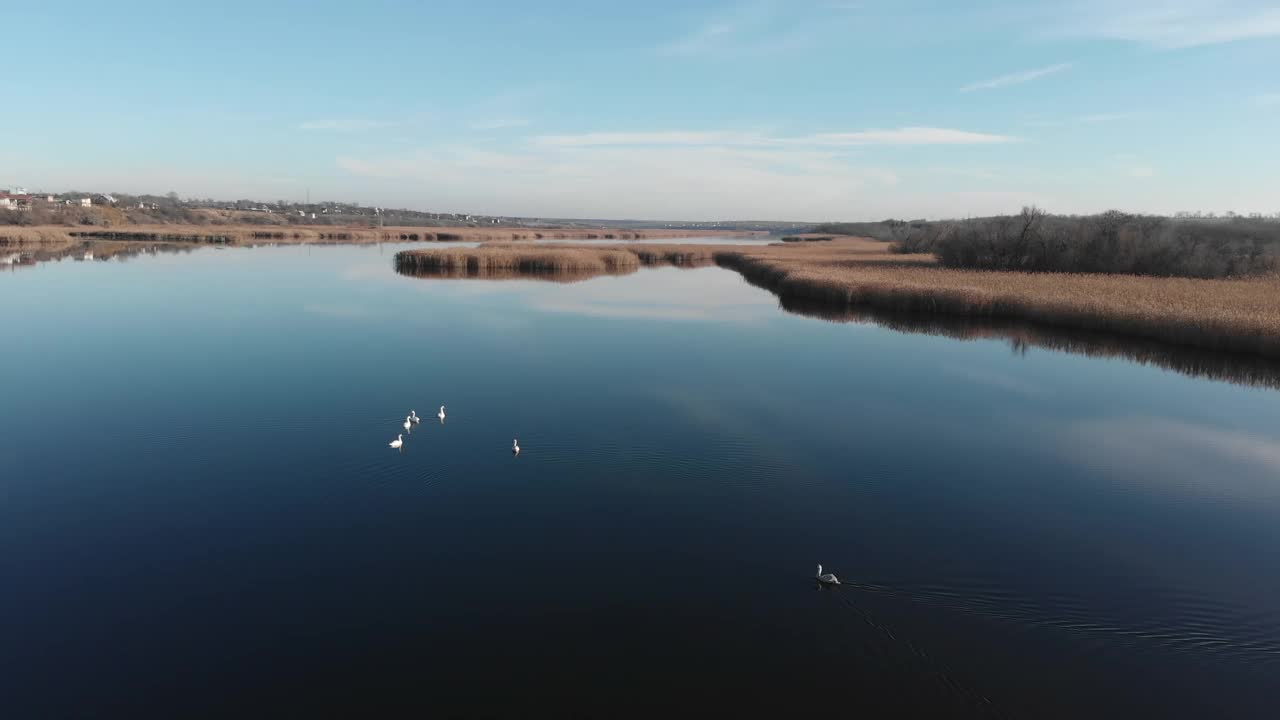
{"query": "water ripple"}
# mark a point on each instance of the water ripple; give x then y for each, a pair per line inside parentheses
(1193, 625)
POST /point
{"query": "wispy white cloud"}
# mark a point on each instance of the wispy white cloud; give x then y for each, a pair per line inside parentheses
(1104, 117)
(345, 124)
(500, 123)
(1174, 25)
(891, 136)
(901, 136)
(968, 172)
(706, 38)
(1016, 78)
(723, 31)
(758, 27)
(665, 137)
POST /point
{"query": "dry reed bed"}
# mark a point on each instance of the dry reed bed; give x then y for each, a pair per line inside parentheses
(547, 261)
(1234, 315)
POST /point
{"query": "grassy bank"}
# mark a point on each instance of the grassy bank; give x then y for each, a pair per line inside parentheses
(1241, 315)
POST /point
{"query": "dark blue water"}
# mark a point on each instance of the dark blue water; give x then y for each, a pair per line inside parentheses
(199, 513)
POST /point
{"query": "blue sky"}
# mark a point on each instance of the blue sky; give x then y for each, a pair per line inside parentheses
(769, 109)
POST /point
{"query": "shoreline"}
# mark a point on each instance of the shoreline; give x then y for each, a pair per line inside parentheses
(17, 238)
(32, 245)
(1237, 316)
(237, 234)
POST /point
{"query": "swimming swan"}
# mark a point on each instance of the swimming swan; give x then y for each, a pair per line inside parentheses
(398, 442)
(441, 414)
(515, 447)
(413, 415)
(408, 423)
(828, 578)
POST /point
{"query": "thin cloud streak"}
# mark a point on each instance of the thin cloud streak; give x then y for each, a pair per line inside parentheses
(901, 136)
(344, 124)
(1087, 119)
(893, 136)
(762, 27)
(1016, 78)
(500, 123)
(672, 137)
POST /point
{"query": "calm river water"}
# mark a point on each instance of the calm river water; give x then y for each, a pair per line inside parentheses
(199, 513)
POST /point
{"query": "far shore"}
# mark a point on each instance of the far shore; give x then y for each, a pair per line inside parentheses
(12, 236)
(1236, 315)
(33, 244)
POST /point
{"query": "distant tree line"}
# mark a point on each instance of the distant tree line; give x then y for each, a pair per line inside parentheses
(1112, 242)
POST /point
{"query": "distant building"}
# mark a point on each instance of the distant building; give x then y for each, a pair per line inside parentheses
(12, 201)
(86, 202)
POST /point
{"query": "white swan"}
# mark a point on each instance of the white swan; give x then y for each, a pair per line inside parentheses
(828, 578)
(413, 415)
(408, 423)
(515, 447)
(398, 442)
(441, 414)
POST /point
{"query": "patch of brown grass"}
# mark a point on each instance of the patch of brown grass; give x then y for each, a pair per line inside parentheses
(551, 262)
